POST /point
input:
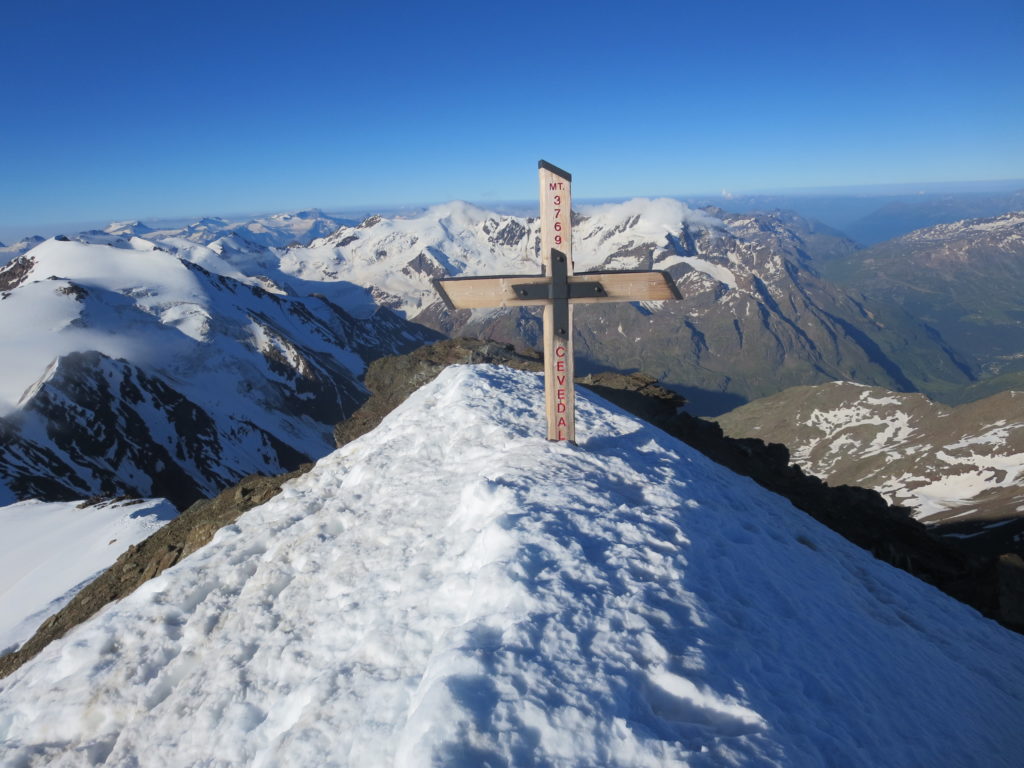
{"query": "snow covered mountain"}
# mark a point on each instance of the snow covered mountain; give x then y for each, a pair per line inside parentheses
(451, 589)
(756, 317)
(133, 370)
(960, 468)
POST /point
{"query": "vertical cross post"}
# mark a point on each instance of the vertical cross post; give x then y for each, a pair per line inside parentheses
(556, 256)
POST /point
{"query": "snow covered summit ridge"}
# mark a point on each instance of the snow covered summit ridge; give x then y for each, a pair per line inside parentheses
(451, 589)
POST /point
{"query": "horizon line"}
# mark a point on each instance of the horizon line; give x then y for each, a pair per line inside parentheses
(854, 190)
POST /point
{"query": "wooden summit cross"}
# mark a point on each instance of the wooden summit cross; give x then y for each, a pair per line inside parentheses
(556, 289)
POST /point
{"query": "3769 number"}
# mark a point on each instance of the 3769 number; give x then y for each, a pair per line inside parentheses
(558, 225)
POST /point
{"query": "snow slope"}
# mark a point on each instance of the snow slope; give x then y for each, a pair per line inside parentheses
(453, 590)
(48, 552)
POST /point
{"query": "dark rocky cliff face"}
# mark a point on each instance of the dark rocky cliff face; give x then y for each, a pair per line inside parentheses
(994, 586)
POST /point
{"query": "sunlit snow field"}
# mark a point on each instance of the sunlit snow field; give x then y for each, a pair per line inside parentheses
(48, 551)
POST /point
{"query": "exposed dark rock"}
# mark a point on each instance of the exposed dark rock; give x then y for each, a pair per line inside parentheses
(13, 273)
(424, 265)
(1010, 575)
(637, 393)
(511, 234)
(73, 289)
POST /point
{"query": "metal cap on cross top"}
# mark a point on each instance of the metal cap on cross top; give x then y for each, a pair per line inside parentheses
(556, 289)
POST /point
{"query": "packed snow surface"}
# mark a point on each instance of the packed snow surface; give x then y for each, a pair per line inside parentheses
(49, 551)
(453, 590)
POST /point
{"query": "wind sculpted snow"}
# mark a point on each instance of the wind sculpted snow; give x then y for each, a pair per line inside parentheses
(453, 590)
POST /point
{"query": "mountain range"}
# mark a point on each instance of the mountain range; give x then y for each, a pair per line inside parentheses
(242, 343)
(173, 361)
(757, 316)
(275, 230)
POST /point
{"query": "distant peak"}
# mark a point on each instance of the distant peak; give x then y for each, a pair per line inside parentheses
(664, 211)
(120, 227)
(457, 209)
(305, 215)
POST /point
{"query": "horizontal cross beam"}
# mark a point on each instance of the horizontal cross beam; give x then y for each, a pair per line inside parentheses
(500, 290)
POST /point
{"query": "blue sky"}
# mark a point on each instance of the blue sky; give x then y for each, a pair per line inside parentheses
(115, 110)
